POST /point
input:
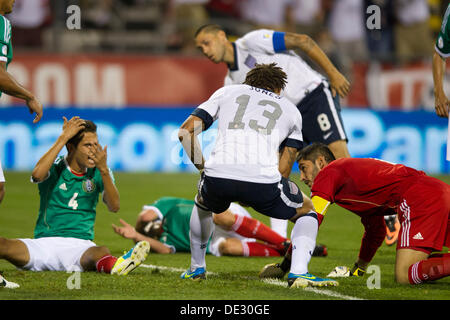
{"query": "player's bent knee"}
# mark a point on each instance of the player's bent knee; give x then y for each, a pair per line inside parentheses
(402, 277)
(229, 248)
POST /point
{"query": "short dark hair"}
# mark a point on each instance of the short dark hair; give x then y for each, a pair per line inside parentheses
(89, 126)
(267, 76)
(208, 28)
(314, 150)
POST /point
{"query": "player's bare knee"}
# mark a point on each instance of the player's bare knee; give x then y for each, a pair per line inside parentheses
(226, 248)
(402, 277)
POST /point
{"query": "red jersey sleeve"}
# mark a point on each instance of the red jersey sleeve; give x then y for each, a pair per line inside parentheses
(375, 231)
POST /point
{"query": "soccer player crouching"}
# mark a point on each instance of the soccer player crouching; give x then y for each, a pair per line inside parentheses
(69, 187)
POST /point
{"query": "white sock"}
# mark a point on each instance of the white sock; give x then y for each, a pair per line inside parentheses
(303, 238)
(279, 226)
(202, 227)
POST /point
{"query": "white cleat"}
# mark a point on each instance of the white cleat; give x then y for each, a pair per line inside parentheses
(132, 259)
(7, 284)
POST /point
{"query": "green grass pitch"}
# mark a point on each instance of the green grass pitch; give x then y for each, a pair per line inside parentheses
(230, 278)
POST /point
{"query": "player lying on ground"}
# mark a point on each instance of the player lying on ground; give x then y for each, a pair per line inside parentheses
(69, 188)
(316, 97)
(245, 166)
(165, 225)
(373, 188)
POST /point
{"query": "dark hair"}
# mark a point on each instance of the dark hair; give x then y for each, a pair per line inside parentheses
(208, 28)
(266, 76)
(89, 126)
(314, 150)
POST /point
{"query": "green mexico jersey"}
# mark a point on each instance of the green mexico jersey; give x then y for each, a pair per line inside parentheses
(68, 202)
(443, 40)
(177, 214)
(6, 51)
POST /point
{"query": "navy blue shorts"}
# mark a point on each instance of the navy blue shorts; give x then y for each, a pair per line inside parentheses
(321, 113)
(277, 200)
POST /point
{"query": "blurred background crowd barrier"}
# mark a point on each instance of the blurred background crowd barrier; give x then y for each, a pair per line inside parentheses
(131, 66)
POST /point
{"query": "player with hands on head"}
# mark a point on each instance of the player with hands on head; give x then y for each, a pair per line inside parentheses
(69, 188)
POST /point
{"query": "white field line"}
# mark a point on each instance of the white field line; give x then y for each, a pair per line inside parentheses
(315, 290)
(275, 282)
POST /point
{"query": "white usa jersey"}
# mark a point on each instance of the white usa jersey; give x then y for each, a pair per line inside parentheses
(267, 46)
(252, 124)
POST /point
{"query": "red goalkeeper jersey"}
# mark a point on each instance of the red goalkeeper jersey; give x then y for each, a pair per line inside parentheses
(370, 188)
(364, 186)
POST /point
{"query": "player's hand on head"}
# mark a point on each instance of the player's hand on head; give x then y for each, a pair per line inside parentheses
(34, 106)
(441, 104)
(72, 127)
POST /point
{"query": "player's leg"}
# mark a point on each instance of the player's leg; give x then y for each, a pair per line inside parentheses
(424, 218)
(339, 149)
(249, 227)
(303, 238)
(130, 260)
(201, 228)
(15, 251)
(237, 247)
(405, 258)
(322, 121)
(97, 258)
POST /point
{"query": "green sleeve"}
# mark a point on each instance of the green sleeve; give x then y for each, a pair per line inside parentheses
(443, 40)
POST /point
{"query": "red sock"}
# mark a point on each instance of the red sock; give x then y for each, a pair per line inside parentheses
(252, 228)
(256, 249)
(430, 269)
(106, 263)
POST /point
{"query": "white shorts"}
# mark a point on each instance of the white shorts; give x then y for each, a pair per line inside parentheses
(56, 253)
(221, 234)
(2, 176)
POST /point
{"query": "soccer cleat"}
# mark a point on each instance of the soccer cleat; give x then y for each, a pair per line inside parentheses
(272, 270)
(392, 229)
(132, 259)
(307, 279)
(7, 284)
(197, 274)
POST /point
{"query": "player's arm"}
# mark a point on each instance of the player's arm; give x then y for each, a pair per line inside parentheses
(441, 103)
(339, 84)
(10, 86)
(127, 231)
(70, 129)
(187, 135)
(287, 159)
(110, 193)
(374, 234)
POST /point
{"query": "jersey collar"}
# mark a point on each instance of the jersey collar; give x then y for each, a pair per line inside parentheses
(71, 171)
(236, 65)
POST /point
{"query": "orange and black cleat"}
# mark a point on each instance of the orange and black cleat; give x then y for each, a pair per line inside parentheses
(392, 229)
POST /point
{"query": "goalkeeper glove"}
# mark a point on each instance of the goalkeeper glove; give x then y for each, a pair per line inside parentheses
(357, 271)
